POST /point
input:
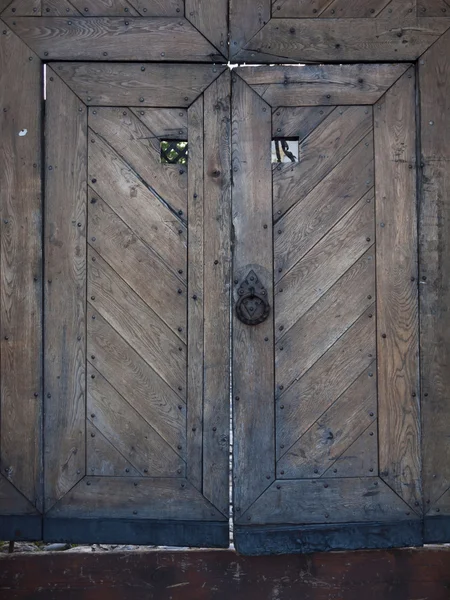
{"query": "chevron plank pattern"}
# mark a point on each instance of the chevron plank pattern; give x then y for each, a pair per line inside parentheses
(324, 257)
(137, 262)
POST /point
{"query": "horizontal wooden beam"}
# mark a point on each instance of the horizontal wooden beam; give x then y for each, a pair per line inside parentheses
(221, 574)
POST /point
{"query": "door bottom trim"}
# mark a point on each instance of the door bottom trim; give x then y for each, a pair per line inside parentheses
(21, 528)
(291, 539)
(436, 530)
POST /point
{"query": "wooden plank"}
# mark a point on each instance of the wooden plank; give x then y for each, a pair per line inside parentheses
(434, 228)
(137, 205)
(102, 459)
(319, 270)
(113, 38)
(23, 8)
(140, 149)
(119, 84)
(433, 8)
(390, 574)
(137, 323)
(314, 215)
(330, 376)
(339, 40)
(58, 8)
(330, 436)
(361, 458)
(123, 368)
(128, 433)
(165, 123)
(217, 296)
(246, 17)
(298, 121)
(159, 8)
(21, 268)
(298, 8)
(397, 305)
(138, 265)
(399, 9)
(196, 316)
(322, 85)
(65, 289)
(326, 321)
(254, 442)
(344, 500)
(104, 8)
(139, 498)
(319, 153)
(211, 19)
(4, 4)
(341, 9)
(12, 501)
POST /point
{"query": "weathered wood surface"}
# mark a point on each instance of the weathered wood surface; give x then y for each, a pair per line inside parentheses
(114, 38)
(397, 290)
(434, 74)
(253, 362)
(211, 19)
(23, 8)
(65, 289)
(21, 270)
(324, 85)
(433, 8)
(246, 19)
(116, 84)
(104, 8)
(216, 291)
(220, 575)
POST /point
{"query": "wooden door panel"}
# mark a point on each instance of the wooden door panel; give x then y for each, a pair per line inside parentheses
(148, 424)
(344, 310)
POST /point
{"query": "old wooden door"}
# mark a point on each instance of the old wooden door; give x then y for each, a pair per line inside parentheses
(137, 262)
(325, 342)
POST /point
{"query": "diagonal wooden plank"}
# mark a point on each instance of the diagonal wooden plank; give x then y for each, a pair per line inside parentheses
(298, 121)
(57, 8)
(399, 9)
(136, 497)
(125, 370)
(300, 406)
(326, 321)
(137, 206)
(128, 432)
(165, 123)
(137, 265)
(114, 38)
(12, 501)
(312, 276)
(433, 8)
(312, 217)
(143, 85)
(341, 9)
(322, 85)
(339, 40)
(138, 324)
(159, 8)
(333, 432)
(140, 148)
(23, 8)
(246, 17)
(298, 8)
(360, 459)
(105, 8)
(102, 459)
(319, 153)
(346, 500)
(211, 19)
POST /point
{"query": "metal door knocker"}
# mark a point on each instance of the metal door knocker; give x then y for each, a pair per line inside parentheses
(252, 306)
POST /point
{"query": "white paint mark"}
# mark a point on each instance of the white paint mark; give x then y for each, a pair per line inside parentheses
(23, 132)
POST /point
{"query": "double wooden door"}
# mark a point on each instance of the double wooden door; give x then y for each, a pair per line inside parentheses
(269, 214)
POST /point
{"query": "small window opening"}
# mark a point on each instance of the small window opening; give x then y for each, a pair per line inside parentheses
(174, 152)
(285, 150)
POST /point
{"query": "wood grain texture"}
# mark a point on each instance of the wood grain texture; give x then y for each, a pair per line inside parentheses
(195, 308)
(21, 270)
(342, 40)
(434, 74)
(360, 459)
(254, 442)
(341, 9)
(104, 8)
(322, 85)
(299, 8)
(102, 459)
(217, 294)
(246, 17)
(333, 433)
(155, 498)
(397, 301)
(23, 8)
(113, 38)
(165, 123)
(298, 121)
(118, 84)
(159, 8)
(12, 501)
(211, 19)
(59, 8)
(65, 289)
(343, 500)
(433, 8)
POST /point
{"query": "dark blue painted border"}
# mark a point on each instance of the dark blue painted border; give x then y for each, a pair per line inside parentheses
(27, 528)
(437, 530)
(195, 534)
(291, 539)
